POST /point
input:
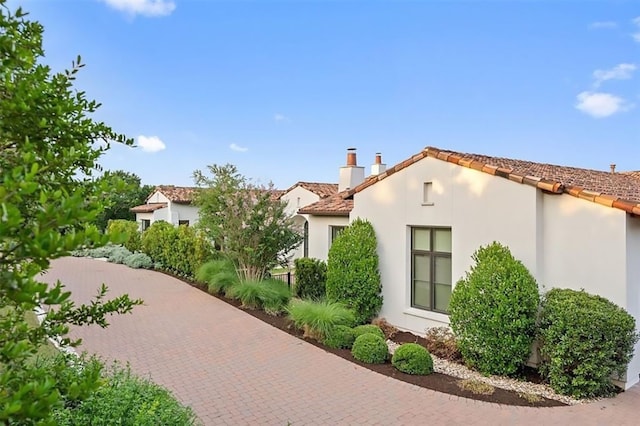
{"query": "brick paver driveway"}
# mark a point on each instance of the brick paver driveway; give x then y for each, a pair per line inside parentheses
(234, 369)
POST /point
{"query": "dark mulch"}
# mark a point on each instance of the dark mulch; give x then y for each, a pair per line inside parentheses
(435, 381)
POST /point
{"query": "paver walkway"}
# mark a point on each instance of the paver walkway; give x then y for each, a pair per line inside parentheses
(234, 369)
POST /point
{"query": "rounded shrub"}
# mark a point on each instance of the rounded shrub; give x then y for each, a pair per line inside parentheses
(368, 328)
(128, 231)
(584, 339)
(370, 348)
(138, 260)
(339, 337)
(352, 271)
(411, 358)
(493, 312)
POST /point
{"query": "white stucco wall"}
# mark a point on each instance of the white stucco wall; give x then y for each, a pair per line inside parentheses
(297, 198)
(633, 289)
(320, 234)
(183, 212)
(143, 216)
(161, 214)
(157, 197)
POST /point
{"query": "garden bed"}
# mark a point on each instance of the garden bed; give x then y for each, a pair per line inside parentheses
(436, 381)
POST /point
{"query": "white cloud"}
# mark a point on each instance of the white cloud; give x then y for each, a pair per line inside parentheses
(619, 72)
(150, 143)
(600, 105)
(636, 36)
(281, 117)
(238, 148)
(143, 7)
(603, 25)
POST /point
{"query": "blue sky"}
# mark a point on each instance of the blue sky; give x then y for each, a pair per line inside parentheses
(282, 89)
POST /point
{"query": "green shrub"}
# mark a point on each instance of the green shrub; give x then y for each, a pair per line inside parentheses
(370, 348)
(248, 292)
(411, 358)
(368, 328)
(124, 399)
(352, 271)
(158, 241)
(493, 312)
(311, 277)
(138, 261)
(339, 337)
(119, 254)
(129, 232)
(219, 275)
(584, 339)
(317, 319)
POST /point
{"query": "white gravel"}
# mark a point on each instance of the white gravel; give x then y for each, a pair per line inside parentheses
(458, 370)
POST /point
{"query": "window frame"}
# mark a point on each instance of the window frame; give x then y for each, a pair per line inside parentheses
(145, 224)
(183, 222)
(334, 232)
(433, 255)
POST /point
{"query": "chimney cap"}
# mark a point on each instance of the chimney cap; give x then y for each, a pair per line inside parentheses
(613, 167)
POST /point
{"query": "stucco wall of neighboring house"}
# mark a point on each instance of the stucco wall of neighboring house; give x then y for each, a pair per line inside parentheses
(633, 289)
(157, 197)
(180, 212)
(320, 234)
(143, 216)
(161, 214)
(297, 198)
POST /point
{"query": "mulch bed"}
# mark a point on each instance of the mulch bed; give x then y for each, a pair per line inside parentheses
(436, 381)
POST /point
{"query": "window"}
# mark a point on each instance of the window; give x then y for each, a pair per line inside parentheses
(431, 268)
(335, 231)
(427, 194)
(306, 239)
(183, 222)
(145, 224)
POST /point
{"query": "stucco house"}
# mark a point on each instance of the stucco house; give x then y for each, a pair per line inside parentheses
(573, 228)
(169, 203)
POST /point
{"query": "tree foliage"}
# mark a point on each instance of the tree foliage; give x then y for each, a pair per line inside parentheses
(49, 148)
(122, 190)
(245, 219)
(353, 277)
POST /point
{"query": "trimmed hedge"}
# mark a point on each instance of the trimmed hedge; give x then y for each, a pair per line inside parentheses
(311, 277)
(370, 348)
(584, 339)
(411, 358)
(352, 271)
(493, 312)
(340, 337)
(368, 328)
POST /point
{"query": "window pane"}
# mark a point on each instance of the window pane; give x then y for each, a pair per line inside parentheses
(443, 295)
(421, 294)
(422, 267)
(443, 270)
(422, 239)
(442, 239)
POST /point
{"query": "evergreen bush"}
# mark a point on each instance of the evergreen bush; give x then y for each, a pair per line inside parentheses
(129, 232)
(138, 261)
(368, 328)
(340, 337)
(584, 339)
(311, 277)
(411, 358)
(493, 312)
(352, 271)
(370, 348)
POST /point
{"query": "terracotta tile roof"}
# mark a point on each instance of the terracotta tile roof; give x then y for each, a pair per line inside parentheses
(147, 208)
(176, 194)
(616, 190)
(323, 190)
(277, 193)
(335, 205)
(635, 174)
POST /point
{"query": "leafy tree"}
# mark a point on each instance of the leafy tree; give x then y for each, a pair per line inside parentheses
(48, 158)
(245, 220)
(124, 190)
(353, 277)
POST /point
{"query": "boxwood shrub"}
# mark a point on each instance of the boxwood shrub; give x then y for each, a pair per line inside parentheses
(493, 312)
(370, 348)
(584, 339)
(368, 328)
(340, 337)
(411, 358)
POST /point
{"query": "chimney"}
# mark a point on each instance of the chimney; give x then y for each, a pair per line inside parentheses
(613, 168)
(351, 175)
(377, 167)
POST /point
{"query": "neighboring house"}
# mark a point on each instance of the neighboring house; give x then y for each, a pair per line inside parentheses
(169, 203)
(572, 228)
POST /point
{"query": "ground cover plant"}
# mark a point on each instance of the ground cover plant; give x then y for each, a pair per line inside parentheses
(493, 312)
